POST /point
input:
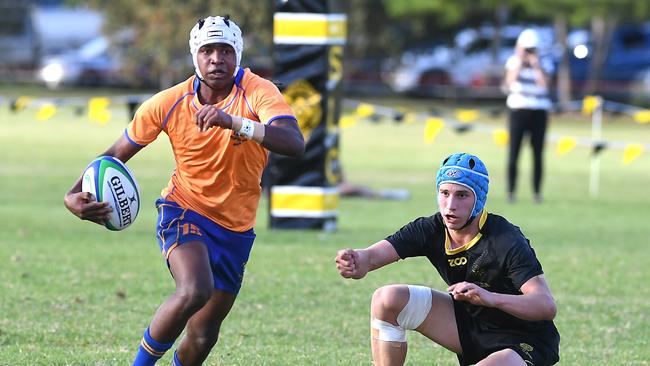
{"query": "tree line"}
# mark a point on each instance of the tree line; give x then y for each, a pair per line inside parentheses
(376, 28)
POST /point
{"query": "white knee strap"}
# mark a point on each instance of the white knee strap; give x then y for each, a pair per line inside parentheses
(388, 332)
(417, 308)
(413, 314)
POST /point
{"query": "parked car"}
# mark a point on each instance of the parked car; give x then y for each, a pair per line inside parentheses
(625, 65)
(61, 28)
(19, 42)
(419, 68)
(97, 62)
(473, 66)
(640, 88)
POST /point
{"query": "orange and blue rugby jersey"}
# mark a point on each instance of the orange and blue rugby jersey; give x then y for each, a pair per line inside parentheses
(218, 172)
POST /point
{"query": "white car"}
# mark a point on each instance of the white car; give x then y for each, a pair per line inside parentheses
(96, 62)
(410, 71)
(474, 65)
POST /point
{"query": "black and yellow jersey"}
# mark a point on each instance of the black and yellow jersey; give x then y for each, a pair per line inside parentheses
(499, 259)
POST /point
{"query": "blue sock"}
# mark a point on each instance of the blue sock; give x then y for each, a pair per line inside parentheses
(150, 351)
(176, 361)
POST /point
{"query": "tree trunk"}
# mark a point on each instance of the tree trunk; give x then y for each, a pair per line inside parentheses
(500, 17)
(601, 33)
(564, 71)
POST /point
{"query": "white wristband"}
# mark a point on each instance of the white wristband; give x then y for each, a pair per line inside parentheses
(251, 130)
(247, 128)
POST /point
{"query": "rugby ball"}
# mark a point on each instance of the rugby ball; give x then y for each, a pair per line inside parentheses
(109, 180)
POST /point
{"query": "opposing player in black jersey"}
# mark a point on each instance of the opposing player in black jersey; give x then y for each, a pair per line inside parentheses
(498, 308)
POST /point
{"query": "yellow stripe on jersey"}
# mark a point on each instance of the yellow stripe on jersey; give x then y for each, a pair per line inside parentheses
(471, 243)
(309, 28)
(298, 201)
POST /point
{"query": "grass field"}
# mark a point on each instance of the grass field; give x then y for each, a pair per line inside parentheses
(73, 293)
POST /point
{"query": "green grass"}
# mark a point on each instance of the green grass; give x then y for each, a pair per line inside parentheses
(73, 293)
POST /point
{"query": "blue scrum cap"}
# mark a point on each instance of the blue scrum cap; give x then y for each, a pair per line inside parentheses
(467, 170)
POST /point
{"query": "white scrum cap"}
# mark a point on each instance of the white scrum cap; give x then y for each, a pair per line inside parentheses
(215, 30)
(528, 39)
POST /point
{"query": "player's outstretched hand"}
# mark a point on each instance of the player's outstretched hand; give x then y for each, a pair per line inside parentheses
(85, 206)
(467, 291)
(210, 116)
(350, 264)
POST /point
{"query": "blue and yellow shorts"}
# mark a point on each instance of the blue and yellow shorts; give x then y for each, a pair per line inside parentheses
(228, 250)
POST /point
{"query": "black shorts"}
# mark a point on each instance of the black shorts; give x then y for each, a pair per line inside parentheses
(479, 340)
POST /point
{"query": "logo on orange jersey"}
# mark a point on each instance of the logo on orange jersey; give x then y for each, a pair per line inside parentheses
(237, 139)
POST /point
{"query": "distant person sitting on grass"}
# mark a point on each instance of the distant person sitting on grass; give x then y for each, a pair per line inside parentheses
(498, 308)
(347, 189)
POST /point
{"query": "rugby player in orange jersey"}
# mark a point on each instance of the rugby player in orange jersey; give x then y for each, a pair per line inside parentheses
(221, 123)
